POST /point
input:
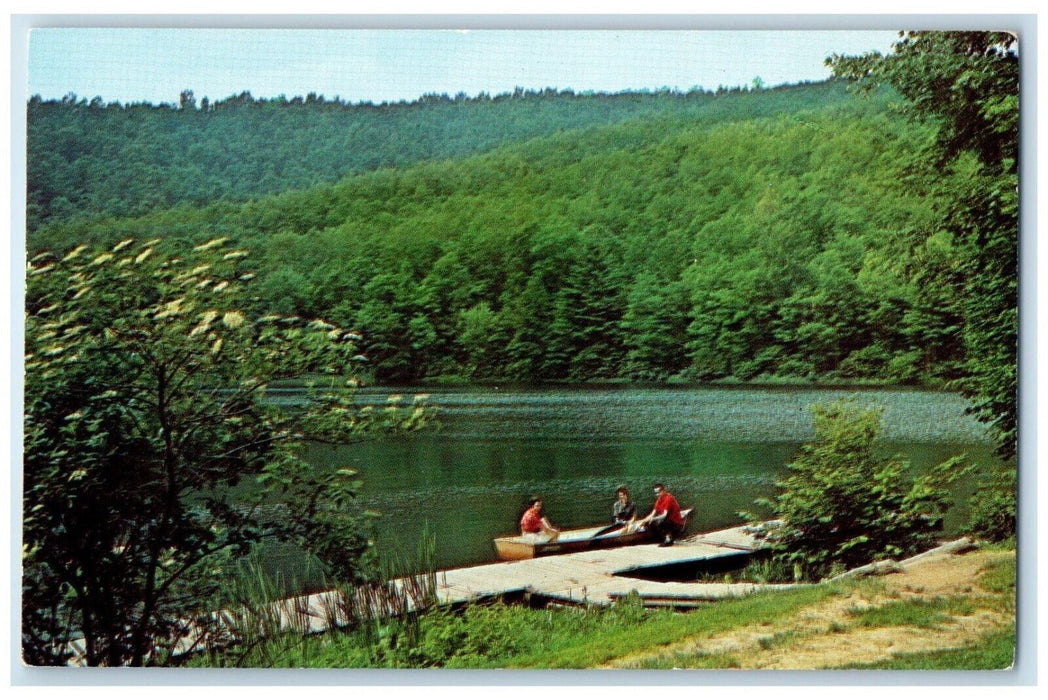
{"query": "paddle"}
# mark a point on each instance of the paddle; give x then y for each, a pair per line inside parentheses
(609, 528)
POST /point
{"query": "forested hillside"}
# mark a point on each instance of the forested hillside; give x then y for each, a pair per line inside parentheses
(769, 234)
(126, 160)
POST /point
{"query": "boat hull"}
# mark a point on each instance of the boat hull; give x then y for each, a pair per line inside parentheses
(517, 547)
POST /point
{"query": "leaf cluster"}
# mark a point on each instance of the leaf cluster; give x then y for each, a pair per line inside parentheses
(993, 508)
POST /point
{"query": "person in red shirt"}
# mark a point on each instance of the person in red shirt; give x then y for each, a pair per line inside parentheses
(665, 519)
(534, 522)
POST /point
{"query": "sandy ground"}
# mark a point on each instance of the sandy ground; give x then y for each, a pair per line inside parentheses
(820, 636)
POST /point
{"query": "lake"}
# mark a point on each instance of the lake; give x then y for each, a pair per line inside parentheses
(716, 448)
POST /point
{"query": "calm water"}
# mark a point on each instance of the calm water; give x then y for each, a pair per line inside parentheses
(716, 448)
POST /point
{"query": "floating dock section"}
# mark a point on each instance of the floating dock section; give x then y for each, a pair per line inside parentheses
(601, 576)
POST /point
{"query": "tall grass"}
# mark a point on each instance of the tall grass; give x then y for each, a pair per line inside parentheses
(259, 628)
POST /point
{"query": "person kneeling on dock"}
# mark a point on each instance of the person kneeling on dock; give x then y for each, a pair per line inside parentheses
(535, 523)
(665, 519)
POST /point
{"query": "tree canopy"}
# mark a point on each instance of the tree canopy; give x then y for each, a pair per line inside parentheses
(967, 85)
(89, 156)
(668, 248)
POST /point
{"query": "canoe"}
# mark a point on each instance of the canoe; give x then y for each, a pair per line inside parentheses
(515, 547)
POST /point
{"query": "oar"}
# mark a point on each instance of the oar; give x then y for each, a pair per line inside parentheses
(609, 528)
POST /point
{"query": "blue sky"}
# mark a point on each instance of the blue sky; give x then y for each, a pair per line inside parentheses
(155, 65)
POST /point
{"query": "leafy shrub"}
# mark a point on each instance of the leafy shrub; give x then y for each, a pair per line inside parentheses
(993, 506)
(766, 571)
(869, 361)
(442, 635)
(842, 506)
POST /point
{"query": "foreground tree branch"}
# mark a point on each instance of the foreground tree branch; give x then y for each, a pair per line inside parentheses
(149, 444)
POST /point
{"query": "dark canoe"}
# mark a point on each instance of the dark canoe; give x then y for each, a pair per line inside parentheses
(514, 547)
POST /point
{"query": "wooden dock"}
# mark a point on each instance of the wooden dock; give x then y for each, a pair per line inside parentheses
(594, 577)
(599, 577)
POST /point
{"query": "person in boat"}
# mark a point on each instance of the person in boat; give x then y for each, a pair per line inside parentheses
(535, 522)
(624, 511)
(665, 519)
(623, 514)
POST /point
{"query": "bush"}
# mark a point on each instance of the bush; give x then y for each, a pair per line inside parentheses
(843, 506)
(444, 638)
(993, 506)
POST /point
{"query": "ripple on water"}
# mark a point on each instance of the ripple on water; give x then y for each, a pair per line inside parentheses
(721, 414)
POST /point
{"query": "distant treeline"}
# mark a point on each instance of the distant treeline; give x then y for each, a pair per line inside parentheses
(768, 234)
(92, 157)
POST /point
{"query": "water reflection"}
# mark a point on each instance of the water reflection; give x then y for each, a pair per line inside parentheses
(717, 449)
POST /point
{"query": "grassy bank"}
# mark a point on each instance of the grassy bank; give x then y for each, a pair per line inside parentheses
(957, 613)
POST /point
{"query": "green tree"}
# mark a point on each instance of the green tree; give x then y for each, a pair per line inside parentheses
(967, 83)
(843, 506)
(824, 321)
(655, 327)
(794, 245)
(482, 337)
(397, 334)
(150, 445)
(583, 341)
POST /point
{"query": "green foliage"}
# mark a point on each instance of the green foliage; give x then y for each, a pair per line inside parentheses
(145, 412)
(252, 631)
(967, 80)
(128, 159)
(454, 640)
(766, 571)
(993, 507)
(843, 506)
(731, 244)
(967, 84)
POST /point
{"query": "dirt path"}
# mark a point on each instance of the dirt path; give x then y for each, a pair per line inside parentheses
(824, 635)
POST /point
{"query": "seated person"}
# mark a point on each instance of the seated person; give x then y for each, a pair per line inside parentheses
(535, 523)
(624, 511)
(665, 518)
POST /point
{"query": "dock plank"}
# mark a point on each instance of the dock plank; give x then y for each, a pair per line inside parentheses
(672, 590)
(742, 538)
